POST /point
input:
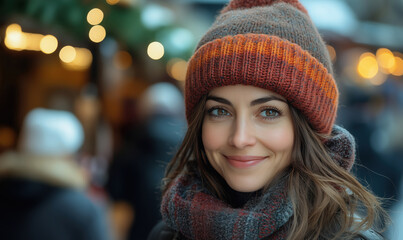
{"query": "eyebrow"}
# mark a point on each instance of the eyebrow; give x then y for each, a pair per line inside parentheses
(253, 103)
(266, 99)
(218, 99)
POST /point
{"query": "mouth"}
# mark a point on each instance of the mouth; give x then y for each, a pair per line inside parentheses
(244, 161)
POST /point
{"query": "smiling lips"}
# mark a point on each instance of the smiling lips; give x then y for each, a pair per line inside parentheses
(244, 161)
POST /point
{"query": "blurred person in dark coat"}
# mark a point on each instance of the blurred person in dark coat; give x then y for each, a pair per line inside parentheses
(137, 168)
(41, 187)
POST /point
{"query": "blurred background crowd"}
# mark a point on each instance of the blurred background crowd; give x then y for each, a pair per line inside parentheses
(118, 67)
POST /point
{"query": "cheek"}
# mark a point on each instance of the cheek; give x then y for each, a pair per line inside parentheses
(212, 137)
(279, 139)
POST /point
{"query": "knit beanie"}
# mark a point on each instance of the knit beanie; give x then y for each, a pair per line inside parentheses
(271, 44)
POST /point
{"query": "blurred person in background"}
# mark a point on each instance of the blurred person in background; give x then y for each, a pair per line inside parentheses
(42, 189)
(138, 165)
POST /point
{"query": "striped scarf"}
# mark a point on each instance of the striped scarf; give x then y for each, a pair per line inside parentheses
(192, 211)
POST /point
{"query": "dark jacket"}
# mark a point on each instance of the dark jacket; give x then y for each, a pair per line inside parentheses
(40, 202)
(162, 232)
(137, 169)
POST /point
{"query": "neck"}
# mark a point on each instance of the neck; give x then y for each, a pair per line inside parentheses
(238, 199)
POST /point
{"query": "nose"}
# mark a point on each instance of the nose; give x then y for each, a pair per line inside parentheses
(242, 134)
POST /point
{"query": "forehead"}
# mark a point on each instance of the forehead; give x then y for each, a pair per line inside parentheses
(243, 91)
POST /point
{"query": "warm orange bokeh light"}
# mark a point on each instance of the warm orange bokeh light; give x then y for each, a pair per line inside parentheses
(367, 66)
(386, 60)
(122, 60)
(176, 68)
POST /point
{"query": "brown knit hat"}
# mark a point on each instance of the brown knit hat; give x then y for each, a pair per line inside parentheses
(270, 44)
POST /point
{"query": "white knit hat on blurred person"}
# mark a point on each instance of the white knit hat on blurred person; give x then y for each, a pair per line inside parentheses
(50, 133)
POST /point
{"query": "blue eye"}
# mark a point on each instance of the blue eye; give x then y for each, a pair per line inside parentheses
(218, 112)
(270, 113)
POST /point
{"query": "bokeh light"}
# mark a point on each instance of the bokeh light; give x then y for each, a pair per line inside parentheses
(176, 41)
(112, 2)
(67, 54)
(18, 40)
(122, 60)
(154, 16)
(97, 33)
(81, 61)
(332, 52)
(176, 68)
(74, 58)
(386, 60)
(367, 65)
(155, 50)
(95, 16)
(397, 70)
(13, 28)
(48, 44)
(15, 39)
(83, 58)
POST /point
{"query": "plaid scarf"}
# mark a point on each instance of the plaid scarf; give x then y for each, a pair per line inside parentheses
(191, 210)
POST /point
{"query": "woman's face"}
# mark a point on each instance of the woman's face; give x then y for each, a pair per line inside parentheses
(247, 135)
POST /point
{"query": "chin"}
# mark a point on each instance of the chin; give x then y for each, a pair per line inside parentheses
(245, 186)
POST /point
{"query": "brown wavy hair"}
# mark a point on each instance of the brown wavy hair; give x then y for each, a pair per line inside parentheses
(326, 198)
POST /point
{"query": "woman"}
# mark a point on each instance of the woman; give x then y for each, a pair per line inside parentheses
(262, 158)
